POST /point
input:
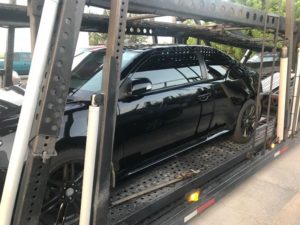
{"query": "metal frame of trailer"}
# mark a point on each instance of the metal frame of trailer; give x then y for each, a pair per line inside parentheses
(212, 167)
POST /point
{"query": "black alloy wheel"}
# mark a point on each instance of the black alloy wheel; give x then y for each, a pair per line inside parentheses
(62, 198)
(248, 122)
(245, 124)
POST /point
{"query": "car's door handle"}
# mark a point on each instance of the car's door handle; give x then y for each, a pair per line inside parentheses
(204, 97)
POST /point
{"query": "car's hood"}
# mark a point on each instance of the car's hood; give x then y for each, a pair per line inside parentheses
(11, 100)
(10, 104)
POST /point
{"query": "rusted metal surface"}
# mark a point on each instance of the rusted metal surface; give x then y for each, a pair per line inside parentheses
(211, 10)
(99, 23)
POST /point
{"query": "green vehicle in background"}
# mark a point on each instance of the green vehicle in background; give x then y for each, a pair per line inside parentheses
(21, 64)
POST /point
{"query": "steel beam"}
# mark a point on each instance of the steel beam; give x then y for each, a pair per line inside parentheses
(108, 111)
(289, 36)
(211, 10)
(9, 58)
(49, 114)
(34, 10)
(98, 23)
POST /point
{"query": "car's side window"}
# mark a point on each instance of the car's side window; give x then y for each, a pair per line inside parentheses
(216, 71)
(167, 70)
(217, 66)
(191, 73)
(161, 78)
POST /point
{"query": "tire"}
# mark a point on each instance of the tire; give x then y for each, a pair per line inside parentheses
(244, 128)
(63, 192)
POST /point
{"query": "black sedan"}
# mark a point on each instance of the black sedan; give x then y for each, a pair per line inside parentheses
(171, 99)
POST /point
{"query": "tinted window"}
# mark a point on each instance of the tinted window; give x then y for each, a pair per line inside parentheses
(166, 70)
(87, 75)
(170, 69)
(216, 71)
(217, 66)
(161, 78)
(220, 69)
(192, 74)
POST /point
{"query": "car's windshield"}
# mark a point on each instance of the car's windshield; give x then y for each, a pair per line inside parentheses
(87, 73)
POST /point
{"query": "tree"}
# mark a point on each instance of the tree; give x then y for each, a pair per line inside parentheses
(97, 38)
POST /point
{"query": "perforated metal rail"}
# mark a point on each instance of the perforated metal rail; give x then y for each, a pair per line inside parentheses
(209, 160)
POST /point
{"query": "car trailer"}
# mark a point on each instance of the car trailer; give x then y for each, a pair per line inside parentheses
(178, 188)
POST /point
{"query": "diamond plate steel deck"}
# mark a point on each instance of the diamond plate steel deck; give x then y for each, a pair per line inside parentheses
(210, 159)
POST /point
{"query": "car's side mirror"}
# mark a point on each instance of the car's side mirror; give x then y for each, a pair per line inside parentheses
(139, 86)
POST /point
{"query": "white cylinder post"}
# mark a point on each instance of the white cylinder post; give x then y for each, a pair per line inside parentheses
(282, 94)
(20, 145)
(89, 165)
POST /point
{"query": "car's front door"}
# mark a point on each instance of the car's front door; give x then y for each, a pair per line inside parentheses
(169, 112)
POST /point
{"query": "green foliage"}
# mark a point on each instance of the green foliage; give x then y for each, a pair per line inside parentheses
(135, 39)
(97, 38)
(236, 53)
(191, 41)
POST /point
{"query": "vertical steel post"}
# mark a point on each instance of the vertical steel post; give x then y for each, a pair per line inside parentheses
(257, 98)
(295, 65)
(9, 57)
(274, 51)
(107, 121)
(22, 136)
(289, 35)
(295, 102)
(49, 112)
(155, 40)
(34, 11)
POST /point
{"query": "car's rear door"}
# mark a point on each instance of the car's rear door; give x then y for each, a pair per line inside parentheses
(167, 114)
(226, 96)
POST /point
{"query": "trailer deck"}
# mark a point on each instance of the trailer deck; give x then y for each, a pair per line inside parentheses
(177, 177)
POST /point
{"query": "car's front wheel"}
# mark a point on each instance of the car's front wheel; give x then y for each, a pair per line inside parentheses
(63, 193)
(245, 125)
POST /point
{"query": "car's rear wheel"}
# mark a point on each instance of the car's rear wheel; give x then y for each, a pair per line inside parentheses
(245, 125)
(63, 193)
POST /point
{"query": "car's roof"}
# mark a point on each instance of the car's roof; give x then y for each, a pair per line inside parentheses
(150, 47)
(174, 48)
(165, 46)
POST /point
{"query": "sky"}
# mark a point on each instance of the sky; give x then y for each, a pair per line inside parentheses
(22, 35)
